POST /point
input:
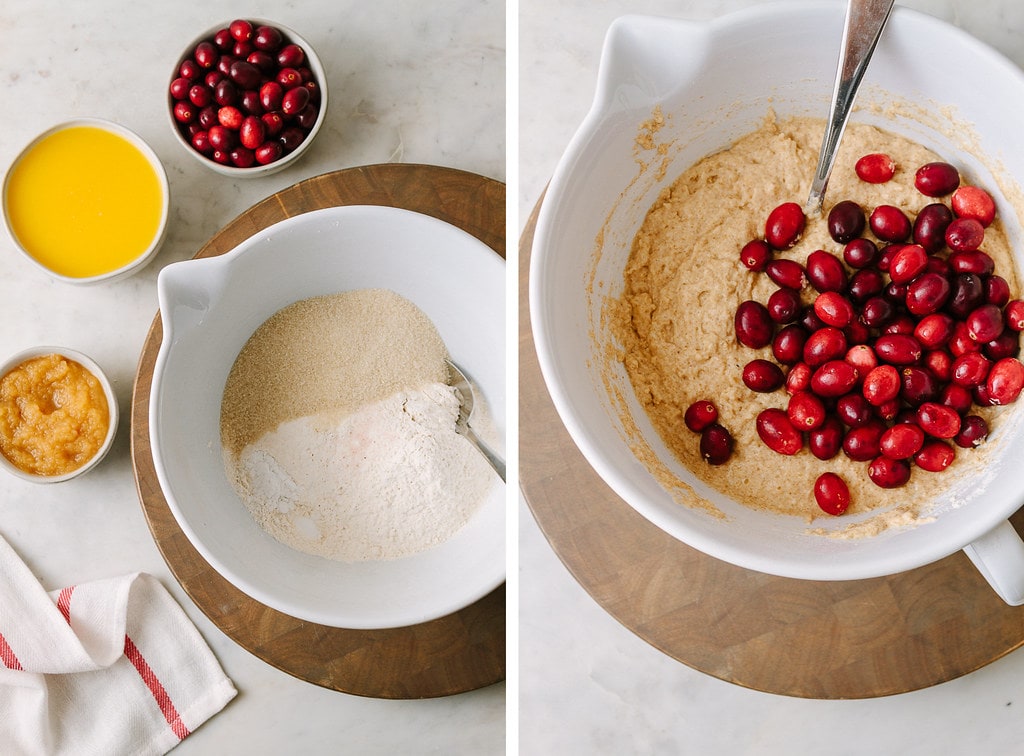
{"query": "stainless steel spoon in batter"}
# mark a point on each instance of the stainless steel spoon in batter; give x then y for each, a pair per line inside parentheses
(865, 20)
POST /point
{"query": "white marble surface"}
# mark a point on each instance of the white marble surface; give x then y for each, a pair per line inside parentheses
(588, 685)
(417, 83)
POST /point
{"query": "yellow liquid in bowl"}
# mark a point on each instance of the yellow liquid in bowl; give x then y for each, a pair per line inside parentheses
(84, 202)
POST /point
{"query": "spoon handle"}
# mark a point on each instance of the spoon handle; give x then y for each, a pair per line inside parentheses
(865, 20)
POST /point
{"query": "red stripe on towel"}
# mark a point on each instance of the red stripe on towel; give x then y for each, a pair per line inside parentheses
(64, 602)
(156, 688)
(7, 655)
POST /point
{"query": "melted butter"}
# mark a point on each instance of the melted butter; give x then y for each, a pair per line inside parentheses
(84, 201)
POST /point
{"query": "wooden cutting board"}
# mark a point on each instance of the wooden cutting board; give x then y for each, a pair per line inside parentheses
(460, 652)
(852, 639)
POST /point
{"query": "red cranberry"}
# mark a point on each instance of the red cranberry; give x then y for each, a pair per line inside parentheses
(206, 54)
(909, 261)
(784, 305)
(898, 349)
(865, 284)
(230, 117)
(860, 253)
(763, 376)
(1006, 344)
(291, 137)
(291, 56)
(189, 69)
(241, 30)
(935, 456)
(930, 226)
(889, 223)
(1014, 314)
(826, 440)
(971, 369)
(984, 323)
(974, 202)
(754, 255)
(786, 273)
(777, 432)
(834, 378)
(956, 397)
(881, 385)
(716, 444)
(184, 111)
(889, 473)
(997, 291)
(964, 235)
(825, 344)
(831, 493)
(268, 152)
(877, 312)
(862, 443)
(267, 38)
(939, 363)
(700, 415)
(180, 88)
(242, 157)
(917, 385)
(857, 333)
(901, 325)
(252, 132)
(927, 293)
(936, 179)
(973, 432)
(862, 357)
(294, 101)
(225, 93)
(245, 74)
(1005, 381)
(846, 221)
(798, 378)
(854, 410)
(976, 262)
(901, 441)
(938, 420)
(784, 226)
(960, 343)
(825, 272)
(875, 168)
(788, 344)
(805, 411)
(834, 309)
(967, 291)
(934, 330)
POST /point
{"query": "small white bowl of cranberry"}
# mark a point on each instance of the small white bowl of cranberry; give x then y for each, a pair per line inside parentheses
(247, 97)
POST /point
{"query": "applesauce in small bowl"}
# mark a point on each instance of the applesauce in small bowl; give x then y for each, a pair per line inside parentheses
(58, 414)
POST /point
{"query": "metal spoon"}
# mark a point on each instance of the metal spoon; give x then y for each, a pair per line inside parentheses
(461, 384)
(865, 20)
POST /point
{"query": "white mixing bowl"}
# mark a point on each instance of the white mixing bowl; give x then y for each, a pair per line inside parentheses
(210, 307)
(717, 81)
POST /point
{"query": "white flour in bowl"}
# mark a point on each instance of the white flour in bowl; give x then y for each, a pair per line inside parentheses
(388, 481)
(339, 430)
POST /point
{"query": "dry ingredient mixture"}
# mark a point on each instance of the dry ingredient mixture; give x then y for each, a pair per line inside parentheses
(338, 428)
(676, 320)
(54, 415)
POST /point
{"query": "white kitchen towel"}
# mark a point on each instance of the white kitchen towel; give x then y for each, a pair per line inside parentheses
(106, 667)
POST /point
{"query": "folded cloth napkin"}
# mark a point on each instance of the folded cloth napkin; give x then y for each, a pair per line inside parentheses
(107, 667)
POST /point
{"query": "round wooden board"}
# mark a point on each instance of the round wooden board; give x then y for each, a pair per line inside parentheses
(852, 639)
(457, 653)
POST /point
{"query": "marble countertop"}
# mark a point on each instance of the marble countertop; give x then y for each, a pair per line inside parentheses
(587, 684)
(408, 83)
